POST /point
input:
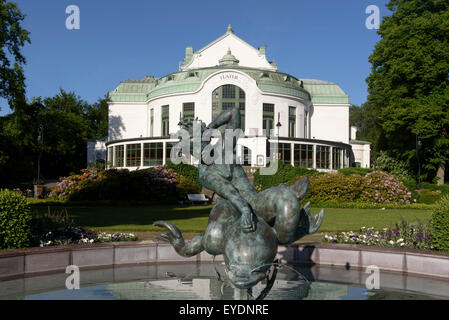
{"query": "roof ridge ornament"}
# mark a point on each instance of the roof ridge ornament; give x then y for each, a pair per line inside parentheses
(229, 30)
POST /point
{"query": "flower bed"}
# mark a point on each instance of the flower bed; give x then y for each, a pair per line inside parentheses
(57, 228)
(404, 235)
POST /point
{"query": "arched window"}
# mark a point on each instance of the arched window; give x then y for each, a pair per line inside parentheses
(226, 97)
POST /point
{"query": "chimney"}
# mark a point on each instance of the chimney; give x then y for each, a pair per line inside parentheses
(353, 133)
(189, 53)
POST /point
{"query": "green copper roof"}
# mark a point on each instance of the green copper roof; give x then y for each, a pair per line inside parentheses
(325, 91)
(142, 90)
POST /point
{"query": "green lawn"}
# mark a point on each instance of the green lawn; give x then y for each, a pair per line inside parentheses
(194, 219)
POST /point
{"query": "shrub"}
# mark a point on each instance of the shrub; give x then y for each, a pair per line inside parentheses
(440, 224)
(379, 187)
(186, 170)
(186, 186)
(359, 171)
(333, 187)
(428, 196)
(160, 184)
(15, 219)
(393, 166)
(284, 174)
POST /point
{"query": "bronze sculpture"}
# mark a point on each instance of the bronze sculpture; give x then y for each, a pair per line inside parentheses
(245, 226)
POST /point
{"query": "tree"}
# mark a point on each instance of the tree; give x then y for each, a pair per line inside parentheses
(409, 82)
(68, 122)
(12, 38)
(366, 120)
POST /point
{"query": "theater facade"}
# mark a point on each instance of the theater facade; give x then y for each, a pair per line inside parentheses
(307, 118)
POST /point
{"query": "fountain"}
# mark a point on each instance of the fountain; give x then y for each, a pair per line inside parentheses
(245, 226)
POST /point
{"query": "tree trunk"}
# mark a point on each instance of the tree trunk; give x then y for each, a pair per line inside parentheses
(440, 174)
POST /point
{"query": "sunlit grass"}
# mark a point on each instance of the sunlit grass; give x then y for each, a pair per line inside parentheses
(195, 218)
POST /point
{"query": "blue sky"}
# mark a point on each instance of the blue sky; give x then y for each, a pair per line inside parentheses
(121, 40)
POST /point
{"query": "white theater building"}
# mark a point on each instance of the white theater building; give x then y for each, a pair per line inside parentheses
(310, 117)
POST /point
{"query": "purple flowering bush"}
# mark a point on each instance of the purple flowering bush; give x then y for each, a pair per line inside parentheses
(70, 185)
(404, 235)
(160, 184)
(375, 187)
(380, 187)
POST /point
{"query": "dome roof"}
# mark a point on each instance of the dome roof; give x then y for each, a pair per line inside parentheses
(228, 59)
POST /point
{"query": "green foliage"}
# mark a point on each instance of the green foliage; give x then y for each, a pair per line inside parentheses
(393, 166)
(358, 171)
(366, 120)
(15, 219)
(68, 123)
(334, 187)
(428, 196)
(374, 188)
(408, 85)
(284, 174)
(12, 38)
(440, 224)
(185, 170)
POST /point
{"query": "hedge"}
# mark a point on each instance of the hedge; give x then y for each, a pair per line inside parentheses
(440, 224)
(15, 220)
(284, 174)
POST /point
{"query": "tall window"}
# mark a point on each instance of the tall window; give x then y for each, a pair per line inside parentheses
(151, 122)
(285, 153)
(153, 154)
(133, 155)
(268, 118)
(246, 156)
(337, 158)
(165, 121)
(303, 154)
(227, 97)
(188, 111)
(119, 156)
(291, 122)
(322, 157)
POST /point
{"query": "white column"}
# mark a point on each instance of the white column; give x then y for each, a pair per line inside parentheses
(314, 156)
(342, 159)
(113, 157)
(164, 153)
(125, 147)
(331, 156)
(292, 154)
(141, 155)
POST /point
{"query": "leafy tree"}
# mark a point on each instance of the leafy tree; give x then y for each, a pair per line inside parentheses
(12, 38)
(68, 122)
(409, 84)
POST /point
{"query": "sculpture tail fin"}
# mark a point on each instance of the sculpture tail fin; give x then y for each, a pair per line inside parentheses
(174, 236)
